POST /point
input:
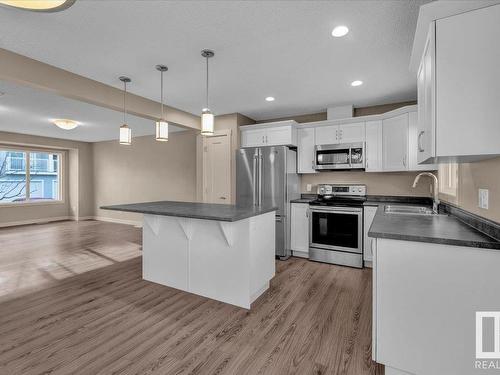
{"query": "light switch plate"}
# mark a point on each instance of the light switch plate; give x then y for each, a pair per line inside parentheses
(483, 198)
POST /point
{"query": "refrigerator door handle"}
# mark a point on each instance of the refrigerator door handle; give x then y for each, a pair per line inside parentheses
(255, 180)
(260, 180)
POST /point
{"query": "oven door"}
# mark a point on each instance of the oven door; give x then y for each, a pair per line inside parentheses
(336, 228)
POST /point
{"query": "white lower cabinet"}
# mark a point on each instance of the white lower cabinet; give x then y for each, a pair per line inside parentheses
(299, 239)
(368, 242)
(425, 300)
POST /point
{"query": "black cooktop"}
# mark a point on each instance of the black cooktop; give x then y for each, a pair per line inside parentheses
(333, 200)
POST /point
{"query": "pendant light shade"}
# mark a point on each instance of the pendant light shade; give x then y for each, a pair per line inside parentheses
(207, 122)
(207, 117)
(161, 125)
(125, 135)
(125, 131)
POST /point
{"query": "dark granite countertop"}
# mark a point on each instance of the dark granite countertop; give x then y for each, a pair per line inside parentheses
(206, 211)
(375, 200)
(441, 229)
(302, 200)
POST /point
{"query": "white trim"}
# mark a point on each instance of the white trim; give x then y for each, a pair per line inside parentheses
(118, 221)
(300, 254)
(34, 221)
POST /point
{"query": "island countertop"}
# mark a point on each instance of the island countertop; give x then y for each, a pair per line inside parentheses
(194, 210)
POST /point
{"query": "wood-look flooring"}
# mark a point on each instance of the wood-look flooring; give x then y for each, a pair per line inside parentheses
(73, 302)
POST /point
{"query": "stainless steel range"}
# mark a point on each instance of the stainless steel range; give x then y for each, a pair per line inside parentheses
(336, 225)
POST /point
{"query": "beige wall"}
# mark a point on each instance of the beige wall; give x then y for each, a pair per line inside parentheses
(389, 183)
(147, 170)
(80, 199)
(479, 175)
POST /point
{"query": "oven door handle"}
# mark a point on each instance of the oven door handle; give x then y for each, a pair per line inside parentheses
(337, 209)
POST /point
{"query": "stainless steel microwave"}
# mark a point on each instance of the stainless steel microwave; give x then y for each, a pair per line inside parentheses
(340, 156)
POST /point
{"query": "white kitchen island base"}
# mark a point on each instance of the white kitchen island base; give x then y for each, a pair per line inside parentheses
(229, 261)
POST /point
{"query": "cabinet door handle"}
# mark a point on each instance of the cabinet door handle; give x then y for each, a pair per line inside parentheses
(307, 213)
(263, 139)
(222, 197)
(371, 245)
(420, 147)
(266, 139)
(404, 161)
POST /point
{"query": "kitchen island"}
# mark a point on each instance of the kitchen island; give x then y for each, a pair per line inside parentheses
(219, 251)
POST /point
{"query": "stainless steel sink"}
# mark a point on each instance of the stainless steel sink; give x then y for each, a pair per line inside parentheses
(408, 210)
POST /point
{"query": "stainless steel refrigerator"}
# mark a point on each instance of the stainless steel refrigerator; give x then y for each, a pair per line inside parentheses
(267, 176)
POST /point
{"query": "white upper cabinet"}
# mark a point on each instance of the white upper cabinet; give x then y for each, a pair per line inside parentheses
(395, 143)
(272, 134)
(373, 146)
(281, 135)
(305, 150)
(327, 135)
(351, 133)
(458, 85)
(426, 83)
(343, 133)
(253, 137)
(413, 147)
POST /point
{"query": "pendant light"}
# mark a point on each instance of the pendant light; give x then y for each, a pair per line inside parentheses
(161, 125)
(125, 131)
(207, 117)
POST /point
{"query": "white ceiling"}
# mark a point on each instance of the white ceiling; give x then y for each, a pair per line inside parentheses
(29, 111)
(263, 48)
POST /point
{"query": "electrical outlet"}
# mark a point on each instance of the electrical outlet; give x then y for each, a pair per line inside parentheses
(309, 187)
(483, 198)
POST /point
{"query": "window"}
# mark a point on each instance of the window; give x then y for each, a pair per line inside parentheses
(39, 182)
(448, 179)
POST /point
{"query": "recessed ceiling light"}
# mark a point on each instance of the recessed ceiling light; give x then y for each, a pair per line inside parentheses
(39, 5)
(270, 99)
(356, 83)
(65, 124)
(340, 31)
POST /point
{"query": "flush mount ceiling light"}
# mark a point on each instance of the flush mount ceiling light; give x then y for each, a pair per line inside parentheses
(207, 117)
(270, 99)
(356, 83)
(125, 131)
(39, 5)
(339, 31)
(65, 124)
(161, 125)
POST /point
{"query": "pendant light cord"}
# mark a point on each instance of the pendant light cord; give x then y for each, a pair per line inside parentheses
(208, 108)
(124, 102)
(161, 95)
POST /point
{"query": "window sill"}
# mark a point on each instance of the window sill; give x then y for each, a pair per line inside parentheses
(24, 204)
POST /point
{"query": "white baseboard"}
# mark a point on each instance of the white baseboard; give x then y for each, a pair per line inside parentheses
(300, 254)
(34, 221)
(118, 221)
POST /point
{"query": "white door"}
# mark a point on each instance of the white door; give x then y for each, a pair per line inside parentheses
(373, 149)
(281, 135)
(426, 83)
(217, 169)
(253, 137)
(368, 243)
(305, 150)
(327, 135)
(395, 143)
(299, 239)
(350, 133)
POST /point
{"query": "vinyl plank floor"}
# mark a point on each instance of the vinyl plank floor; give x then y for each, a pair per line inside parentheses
(72, 301)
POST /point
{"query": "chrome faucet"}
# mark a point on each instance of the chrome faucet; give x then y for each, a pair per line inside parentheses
(435, 189)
